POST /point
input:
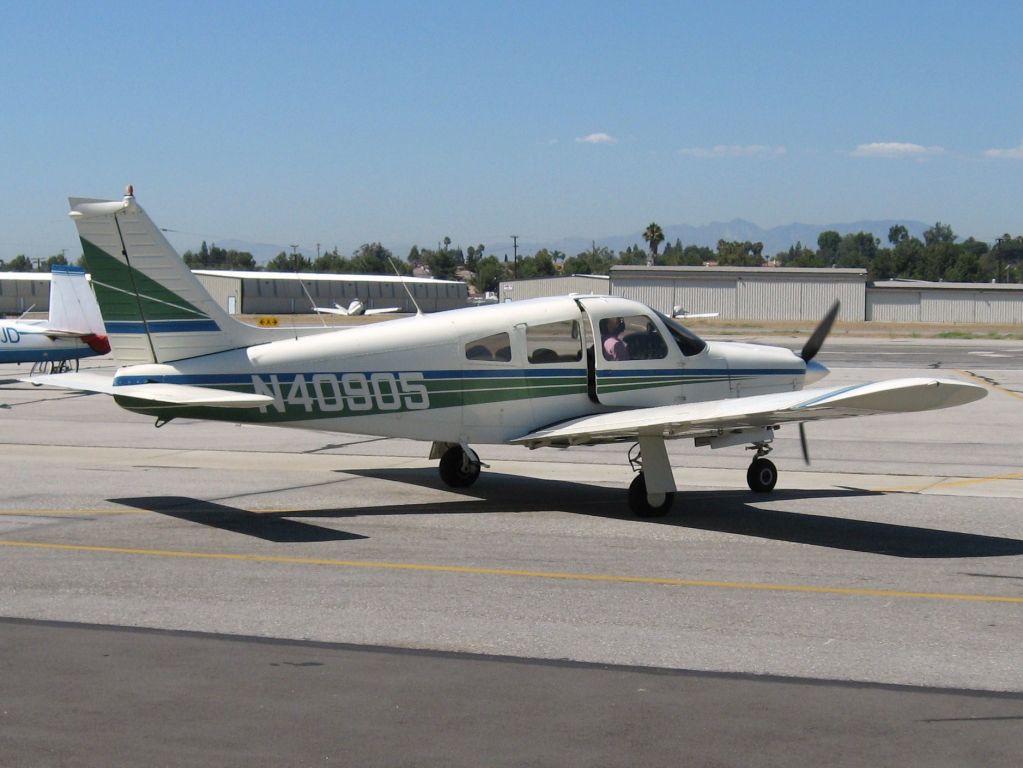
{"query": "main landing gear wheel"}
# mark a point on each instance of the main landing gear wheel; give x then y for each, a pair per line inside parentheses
(762, 475)
(457, 468)
(642, 504)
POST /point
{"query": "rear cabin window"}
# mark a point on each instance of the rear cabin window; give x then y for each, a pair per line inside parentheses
(559, 342)
(631, 338)
(490, 348)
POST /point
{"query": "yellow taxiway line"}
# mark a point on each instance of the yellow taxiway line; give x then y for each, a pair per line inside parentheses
(990, 384)
(563, 576)
(959, 482)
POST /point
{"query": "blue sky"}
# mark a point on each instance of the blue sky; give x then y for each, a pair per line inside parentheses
(403, 122)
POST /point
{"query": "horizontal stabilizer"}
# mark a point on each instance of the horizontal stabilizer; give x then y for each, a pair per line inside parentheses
(719, 416)
(156, 392)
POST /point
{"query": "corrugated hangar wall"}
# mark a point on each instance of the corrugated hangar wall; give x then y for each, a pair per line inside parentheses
(267, 293)
(20, 292)
(560, 285)
(745, 294)
(948, 303)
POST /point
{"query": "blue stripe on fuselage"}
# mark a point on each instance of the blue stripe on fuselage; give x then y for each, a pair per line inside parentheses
(160, 326)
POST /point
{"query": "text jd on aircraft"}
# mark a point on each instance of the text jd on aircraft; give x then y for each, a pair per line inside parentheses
(564, 371)
(73, 329)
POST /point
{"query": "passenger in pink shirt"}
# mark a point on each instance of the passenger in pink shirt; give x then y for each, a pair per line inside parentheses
(613, 347)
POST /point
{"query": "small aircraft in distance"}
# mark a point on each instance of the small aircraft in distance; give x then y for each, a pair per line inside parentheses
(356, 308)
(73, 330)
(681, 313)
(564, 371)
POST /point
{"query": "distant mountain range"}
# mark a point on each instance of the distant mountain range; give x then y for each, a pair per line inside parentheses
(775, 239)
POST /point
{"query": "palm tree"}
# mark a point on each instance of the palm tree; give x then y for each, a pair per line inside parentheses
(654, 236)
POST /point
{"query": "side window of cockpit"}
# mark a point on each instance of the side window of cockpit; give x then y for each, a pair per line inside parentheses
(689, 343)
(559, 342)
(642, 339)
(496, 348)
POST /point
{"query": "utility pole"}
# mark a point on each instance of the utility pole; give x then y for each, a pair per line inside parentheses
(515, 251)
(998, 247)
(294, 256)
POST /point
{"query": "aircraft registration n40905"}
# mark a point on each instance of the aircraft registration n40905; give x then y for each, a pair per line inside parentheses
(562, 372)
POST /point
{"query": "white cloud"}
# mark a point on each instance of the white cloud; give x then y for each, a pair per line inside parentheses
(596, 138)
(1013, 153)
(895, 149)
(733, 150)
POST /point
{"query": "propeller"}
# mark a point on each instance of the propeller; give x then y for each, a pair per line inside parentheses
(820, 333)
(809, 352)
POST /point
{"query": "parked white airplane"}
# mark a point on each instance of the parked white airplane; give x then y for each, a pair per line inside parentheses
(356, 308)
(681, 313)
(73, 330)
(564, 371)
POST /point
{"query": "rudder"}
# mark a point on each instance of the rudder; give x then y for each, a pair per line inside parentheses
(153, 307)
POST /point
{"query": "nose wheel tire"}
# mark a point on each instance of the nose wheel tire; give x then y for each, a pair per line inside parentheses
(642, 504)
(762, 475)
(457, 469)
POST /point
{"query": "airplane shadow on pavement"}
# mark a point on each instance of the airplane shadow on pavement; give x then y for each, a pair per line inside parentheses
(725, 511)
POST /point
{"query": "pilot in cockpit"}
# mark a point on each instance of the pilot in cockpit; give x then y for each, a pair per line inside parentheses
(611, 329)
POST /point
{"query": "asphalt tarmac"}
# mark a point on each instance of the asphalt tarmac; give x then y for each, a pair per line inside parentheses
(208, 594)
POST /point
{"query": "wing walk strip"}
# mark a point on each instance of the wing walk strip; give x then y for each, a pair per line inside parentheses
(553, 575)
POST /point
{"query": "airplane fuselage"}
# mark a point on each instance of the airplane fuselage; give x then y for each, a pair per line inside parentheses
(481, 374)
(26, 341)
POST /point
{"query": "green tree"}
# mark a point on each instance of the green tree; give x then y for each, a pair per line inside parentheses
(441, 262)
(1006, 259)
(897, 234)
(290, 262)
(907, 259)
(20, 263)
(372, 259)
(827, 246)
(939, 233)
(596, 261)
(799, 255)
(632, 256)
(57, 259)
(736, 254)
(857, 250)
(332, 262)
(473, 255)
(654, 236)
(545, 262)
(489, 274)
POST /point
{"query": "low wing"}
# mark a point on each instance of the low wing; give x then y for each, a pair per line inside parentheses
(382, 311)
(165, 394)
(716, 417)
(332, 310)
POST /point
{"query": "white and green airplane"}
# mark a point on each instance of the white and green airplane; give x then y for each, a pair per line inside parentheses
(563, 372)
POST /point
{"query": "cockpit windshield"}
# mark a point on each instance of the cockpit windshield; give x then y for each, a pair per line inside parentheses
(687, 341)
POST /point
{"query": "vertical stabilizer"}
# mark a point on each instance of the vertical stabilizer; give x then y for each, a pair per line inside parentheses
(73, 306)
(154, 308)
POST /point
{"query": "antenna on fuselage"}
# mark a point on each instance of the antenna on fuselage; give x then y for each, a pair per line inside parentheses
(311, 302)
(401, 277)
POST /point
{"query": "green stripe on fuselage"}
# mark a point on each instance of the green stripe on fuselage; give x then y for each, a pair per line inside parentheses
(304, 402)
